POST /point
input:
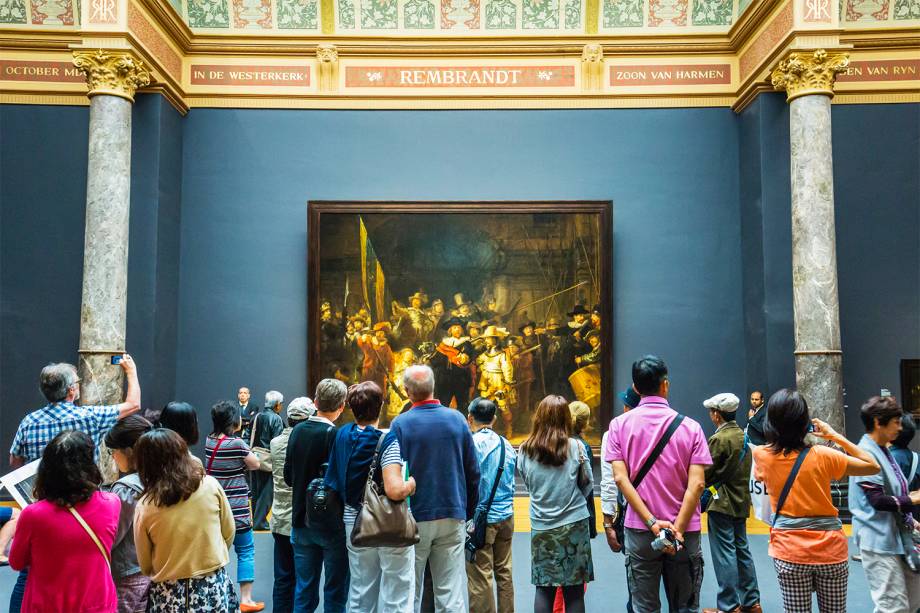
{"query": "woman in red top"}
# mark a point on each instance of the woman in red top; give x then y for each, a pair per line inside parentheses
(68, 562)
(807, 543)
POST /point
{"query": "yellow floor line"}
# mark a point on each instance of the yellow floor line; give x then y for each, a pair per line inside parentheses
(522, 519)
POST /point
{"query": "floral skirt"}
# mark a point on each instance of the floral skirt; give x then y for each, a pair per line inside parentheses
(212, 593)
(561, 556)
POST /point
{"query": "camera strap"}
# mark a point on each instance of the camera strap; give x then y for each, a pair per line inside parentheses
(789, 481)
(662, 443)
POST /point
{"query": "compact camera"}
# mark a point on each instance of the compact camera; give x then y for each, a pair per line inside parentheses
(665, 539)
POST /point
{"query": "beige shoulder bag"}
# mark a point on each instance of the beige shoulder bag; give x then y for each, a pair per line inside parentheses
(264, 455)
(92, 535)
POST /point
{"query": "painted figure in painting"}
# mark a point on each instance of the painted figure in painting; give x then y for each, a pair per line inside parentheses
(452, 364)
(496, 373)
(447, 294)
(378, 356)
(413, 324)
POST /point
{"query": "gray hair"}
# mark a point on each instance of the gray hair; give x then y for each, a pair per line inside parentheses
(273, 399)
(419, 382)
(330, 395)
(57, 379)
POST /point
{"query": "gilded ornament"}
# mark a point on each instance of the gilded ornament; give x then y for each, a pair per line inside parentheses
(112, 73)
(592, 67)
(328, 58)
(803, 74)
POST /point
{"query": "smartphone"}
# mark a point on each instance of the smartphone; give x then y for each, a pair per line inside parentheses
(811, 428)
(116, 360)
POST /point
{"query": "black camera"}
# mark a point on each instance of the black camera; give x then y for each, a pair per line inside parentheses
(666, 538)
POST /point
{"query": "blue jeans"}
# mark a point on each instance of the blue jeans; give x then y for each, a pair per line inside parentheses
(732, 561)
(316, 550)
(19, 591)
(283, 590)
(245, 557)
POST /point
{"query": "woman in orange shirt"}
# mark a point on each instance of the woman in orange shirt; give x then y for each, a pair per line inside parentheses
(807, 543)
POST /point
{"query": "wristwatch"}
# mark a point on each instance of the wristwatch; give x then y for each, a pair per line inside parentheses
(608, 526)
(651, 521)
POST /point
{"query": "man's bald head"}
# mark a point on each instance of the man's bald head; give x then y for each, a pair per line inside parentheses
(419, 382)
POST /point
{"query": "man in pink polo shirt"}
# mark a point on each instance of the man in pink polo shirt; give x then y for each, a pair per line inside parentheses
(667, 498)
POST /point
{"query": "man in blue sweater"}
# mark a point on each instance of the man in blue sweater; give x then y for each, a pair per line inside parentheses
(438, 448)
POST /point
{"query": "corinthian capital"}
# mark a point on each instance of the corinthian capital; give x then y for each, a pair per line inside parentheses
(803, 74)
(113, 73)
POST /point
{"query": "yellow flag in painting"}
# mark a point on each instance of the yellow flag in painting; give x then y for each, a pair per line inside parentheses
(373, 282)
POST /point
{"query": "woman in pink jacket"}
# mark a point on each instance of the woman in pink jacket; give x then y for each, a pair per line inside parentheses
(65, 538)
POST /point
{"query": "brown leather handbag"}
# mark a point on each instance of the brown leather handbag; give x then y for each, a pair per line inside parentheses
(383, 522)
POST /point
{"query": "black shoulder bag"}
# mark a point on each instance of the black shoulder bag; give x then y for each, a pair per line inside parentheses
(476, 539)
(789, 481)
(619, 525)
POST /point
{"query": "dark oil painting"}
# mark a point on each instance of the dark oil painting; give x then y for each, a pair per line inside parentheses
(506, 301)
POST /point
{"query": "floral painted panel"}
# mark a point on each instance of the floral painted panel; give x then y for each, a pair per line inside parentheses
(712, 12)
(208, 14)
(252, 14)
(298, 14)
(572, 14)
(541, 14)
(379, 14)
(52, 13)
(743, 4)
(866, 10)
(12, 11)
(667, 13)
(907, 9)
(346, 12)
(460, 14)
(501, 15)
(623, 13)
(419, 14)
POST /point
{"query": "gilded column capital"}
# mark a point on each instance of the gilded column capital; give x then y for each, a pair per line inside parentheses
(327, 56)
(804, 74)
(112, 73)
(592, 67)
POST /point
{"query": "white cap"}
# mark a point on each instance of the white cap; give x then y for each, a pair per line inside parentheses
(725, 403)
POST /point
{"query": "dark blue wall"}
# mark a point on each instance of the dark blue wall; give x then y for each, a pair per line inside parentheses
(702, 262)
(43, 154)
(877, 199)
(42, 203)
(672, 175)
(877, 207)
(767, 243)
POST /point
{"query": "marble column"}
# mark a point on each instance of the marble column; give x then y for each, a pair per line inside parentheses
(113, 77)
(808, 81)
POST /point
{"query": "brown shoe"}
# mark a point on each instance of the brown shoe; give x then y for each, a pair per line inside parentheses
(735, 610)
(754, 608)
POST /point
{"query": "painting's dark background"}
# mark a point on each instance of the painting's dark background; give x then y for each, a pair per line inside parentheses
(518, 258)
(217, 286)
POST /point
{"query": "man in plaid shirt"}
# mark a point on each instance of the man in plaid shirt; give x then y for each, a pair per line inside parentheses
(61, 386)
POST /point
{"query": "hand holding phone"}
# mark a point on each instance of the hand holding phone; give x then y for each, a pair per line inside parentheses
(116, 360)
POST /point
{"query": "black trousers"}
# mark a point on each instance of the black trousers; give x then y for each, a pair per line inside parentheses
(262, 497)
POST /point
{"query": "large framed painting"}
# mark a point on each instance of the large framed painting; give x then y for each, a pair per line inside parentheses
(509, 301)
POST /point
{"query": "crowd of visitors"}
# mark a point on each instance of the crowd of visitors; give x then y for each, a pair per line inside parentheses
(369, 512)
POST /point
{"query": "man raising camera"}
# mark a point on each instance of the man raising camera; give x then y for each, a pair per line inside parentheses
(659, 458)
